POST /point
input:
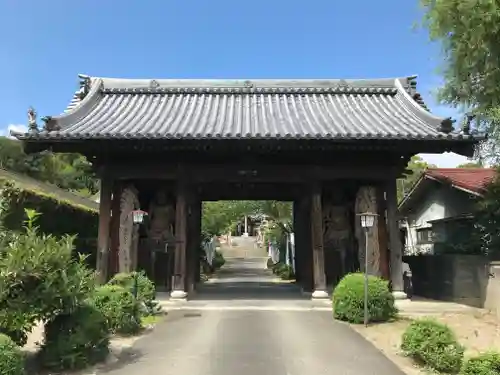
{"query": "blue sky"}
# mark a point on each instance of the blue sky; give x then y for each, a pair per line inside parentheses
(45, 44)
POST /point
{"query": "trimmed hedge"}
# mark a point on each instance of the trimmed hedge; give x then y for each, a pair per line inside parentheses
(433, 344)
(58, 216)
(483, 364)
(120, 308)
(76, 340)
(11, 357)
(348, 299)
(146, 290)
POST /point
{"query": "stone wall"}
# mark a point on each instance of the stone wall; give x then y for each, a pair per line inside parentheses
(462, 279)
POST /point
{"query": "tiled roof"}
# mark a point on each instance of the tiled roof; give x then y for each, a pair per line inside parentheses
(106, 108)
(474, 180)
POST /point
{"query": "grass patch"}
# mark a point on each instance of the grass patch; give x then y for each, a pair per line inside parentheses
(150, 320)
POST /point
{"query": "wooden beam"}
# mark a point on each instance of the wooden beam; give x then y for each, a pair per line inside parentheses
(317, 243)
(252, 173)
(104, 227)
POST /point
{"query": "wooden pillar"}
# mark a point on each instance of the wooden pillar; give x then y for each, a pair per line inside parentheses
(303, 243)
(113, 265)
(103, 231)
(192, 243)
(383, 233)
(298, 247)
(395, 245)
(179, 277)
(317, 244)
(197, 237)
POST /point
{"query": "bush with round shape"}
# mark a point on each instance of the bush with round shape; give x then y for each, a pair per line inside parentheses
(146, 290)
(75, 340)
(121, 309)
(433, 344)
(218, 261)
(483, 364)
(348, 299)
(11, 357)
(286, 272)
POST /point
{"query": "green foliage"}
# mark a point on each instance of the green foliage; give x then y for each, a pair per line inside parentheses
(468, 32)
(348, 299)
(218, 261)
(475, 164)
(219, 216)
(487, 229)
(39, 278)
(75, 340)
(121, 309)
(146, 290)
(67, 171)
(417, 166)
(483, 364)
(433, 344)
(11, 357)
(59, 217)
(283, 271)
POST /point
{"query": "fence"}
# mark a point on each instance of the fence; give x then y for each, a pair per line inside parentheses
(449, 277)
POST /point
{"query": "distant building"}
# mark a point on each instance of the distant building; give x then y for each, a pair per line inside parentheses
(440, 201)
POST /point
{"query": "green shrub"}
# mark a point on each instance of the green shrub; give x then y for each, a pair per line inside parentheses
(483, 364)
(11, 357)
(146, 290)
(433, 344)
(75, 340)
(121, 309)
(286, 272)
(39, 279)
(218, 261)
(348, 299)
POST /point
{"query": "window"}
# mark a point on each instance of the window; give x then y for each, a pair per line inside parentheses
(424, 235)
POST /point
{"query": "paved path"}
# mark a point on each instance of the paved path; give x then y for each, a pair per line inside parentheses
(245, 323)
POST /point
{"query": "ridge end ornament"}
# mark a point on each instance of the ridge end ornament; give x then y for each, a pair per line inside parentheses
(154, 84)
(32, 125)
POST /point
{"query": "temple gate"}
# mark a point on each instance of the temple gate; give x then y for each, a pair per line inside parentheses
(333, 147)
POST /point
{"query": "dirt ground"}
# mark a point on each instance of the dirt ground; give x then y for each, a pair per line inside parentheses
(477, 330)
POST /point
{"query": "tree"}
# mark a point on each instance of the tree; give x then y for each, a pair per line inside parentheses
(417, 166)
(468, 32)
(477, 164)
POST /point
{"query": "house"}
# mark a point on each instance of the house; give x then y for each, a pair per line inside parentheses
(441, 202)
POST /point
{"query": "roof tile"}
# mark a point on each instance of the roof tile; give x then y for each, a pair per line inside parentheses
(472, 179)
(248, 109)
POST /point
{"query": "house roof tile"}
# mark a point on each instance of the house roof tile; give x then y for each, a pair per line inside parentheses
(472, 179)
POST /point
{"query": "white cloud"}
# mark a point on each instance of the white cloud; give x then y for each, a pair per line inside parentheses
(14, 127)
(446, 160)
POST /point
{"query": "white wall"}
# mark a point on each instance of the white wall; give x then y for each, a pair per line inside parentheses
(441, 201)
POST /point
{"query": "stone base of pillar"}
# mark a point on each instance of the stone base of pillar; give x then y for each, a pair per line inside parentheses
(178, 294)
(245, 234)
(398, 295)
(320, 294)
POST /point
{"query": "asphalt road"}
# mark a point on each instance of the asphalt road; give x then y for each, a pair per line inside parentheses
(246, 324)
